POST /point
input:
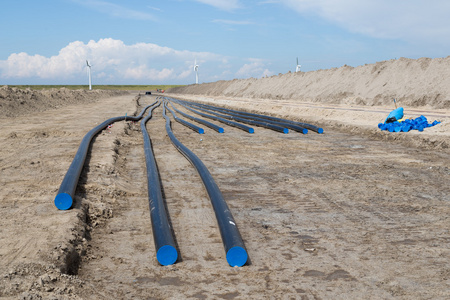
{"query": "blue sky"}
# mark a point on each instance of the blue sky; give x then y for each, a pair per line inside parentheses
(157, 41)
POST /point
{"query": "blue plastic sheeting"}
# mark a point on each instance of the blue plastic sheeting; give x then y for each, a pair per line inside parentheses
(419, 123)
(396, 113)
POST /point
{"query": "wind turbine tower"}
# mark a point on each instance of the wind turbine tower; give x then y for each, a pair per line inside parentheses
(196, 71)
(297, 69)
(89, 72)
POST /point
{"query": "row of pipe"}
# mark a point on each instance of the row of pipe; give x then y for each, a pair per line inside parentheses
(185, 123)
(222, 120)
(164, 239)
(235, 115)
(274, 119)
(166, 250)
(236, 254)
(270, 122)
(198, 120)
(247, 121)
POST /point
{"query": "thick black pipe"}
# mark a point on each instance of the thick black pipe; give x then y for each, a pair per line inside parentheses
(66, 192)
(166, 251)
(201, 121)
(234, 246)
(247, 121)
(254, 118)
(305, 125)
(225, 121)
(185, 123)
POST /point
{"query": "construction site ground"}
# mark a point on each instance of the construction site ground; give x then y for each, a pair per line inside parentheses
(353, 213)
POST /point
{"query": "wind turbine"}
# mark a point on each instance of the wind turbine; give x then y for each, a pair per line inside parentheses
(89, 72)
(297, 69)
(196, 71)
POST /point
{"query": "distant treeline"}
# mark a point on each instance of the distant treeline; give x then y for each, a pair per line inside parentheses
(99, 87)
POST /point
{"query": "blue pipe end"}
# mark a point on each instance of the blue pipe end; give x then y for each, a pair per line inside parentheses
(285, 130)
(201, 131)
(237, 256)
(305, 131)
(167, 255)
(63, 201)
(251, 130)
(221, 130)
(320, 130)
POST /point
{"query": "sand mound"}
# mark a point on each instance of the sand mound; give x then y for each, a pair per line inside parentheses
(16, 102)
(414, 83)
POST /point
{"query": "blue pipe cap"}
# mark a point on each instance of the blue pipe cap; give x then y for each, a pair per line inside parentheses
(320, 130)
(305, 131)
(251, 130)
(221, 130)
(63, 201)
(167, 255)
(201, 131)
(285, 130)
(237, 257)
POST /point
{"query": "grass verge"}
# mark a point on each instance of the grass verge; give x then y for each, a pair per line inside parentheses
(98, 87)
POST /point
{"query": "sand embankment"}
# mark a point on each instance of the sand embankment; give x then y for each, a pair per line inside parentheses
(414, 83)
(16, 102)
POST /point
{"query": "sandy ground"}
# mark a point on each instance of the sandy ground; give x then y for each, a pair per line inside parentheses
(351, 214)
(413, 82)
(356, 119)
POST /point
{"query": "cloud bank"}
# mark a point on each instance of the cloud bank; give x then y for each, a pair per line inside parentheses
(114, 62)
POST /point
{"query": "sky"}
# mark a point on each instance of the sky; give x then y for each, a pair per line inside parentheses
(158, 41)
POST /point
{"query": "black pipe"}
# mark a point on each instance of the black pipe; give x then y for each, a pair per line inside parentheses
(185, 123)
(66, 192)
(201, 121)
(166, 251)
(247, 121)
(225, 121)
(305, 125)
(234, 246)
(254, 118)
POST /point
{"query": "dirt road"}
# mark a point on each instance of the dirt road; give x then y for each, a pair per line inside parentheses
(332, 216)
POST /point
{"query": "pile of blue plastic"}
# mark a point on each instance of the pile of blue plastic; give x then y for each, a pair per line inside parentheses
(404, 126)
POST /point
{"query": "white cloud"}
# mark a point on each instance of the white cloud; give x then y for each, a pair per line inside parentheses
(155, 8)
(227, 5)
(406, 20)
(115, 10)
(143, 72)
(112, 61)
(256, 68)
(185, 74)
